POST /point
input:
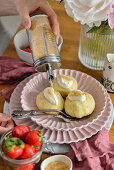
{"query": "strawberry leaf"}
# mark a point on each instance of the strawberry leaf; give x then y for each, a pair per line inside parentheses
(40, 139)
(29, 128)
(13, 142)
(40, 133)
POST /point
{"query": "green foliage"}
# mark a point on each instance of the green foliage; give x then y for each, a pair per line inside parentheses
(103, 29)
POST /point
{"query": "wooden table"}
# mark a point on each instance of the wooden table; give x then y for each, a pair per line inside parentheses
(70, 32)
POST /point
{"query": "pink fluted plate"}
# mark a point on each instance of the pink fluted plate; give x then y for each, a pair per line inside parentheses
(71, 135)
(85, 83)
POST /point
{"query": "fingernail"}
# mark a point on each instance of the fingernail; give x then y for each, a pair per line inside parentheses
(26, 24)
(57, 40)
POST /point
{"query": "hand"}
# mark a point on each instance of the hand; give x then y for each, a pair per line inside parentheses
(6, 123)
(30, 7)
(27, 8)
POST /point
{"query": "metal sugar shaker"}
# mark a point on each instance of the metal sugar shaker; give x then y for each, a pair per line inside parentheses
(43, 45)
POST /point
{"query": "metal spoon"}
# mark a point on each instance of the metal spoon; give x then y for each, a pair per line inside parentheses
(20, 114)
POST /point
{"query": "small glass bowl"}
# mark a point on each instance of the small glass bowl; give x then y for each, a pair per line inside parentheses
(15, 162)
(61, 158)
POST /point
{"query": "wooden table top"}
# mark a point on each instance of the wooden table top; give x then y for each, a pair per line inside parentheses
(70, 32)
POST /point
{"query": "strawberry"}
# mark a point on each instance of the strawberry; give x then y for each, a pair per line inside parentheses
(20, 131)
(34, 137)
(38, 146)
(13, 147)
(29, 166)
(28, 46)
(27, 49)
(28, 151)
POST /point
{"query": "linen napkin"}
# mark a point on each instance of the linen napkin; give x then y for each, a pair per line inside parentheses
(95, 153)
(12, 71)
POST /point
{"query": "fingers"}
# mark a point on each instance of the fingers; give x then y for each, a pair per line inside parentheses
(28, 7)
(58, 33)
(4, 117)
(6, 123)
(2, 130)
(9, 126)
(25, 19)
(23, 11)
(3, 124)
(53, 18)
(55, 27)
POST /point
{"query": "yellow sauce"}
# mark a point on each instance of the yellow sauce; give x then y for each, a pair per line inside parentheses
(57, 165)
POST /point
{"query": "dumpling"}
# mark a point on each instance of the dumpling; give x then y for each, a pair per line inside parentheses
(64, 84)
(49, 99)
(79, 104)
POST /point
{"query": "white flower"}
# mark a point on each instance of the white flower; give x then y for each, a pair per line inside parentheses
(90, 12)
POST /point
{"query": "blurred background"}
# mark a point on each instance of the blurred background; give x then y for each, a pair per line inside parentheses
(8, 27)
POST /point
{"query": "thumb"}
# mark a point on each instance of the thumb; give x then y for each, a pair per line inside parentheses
(4, 117)
(25, 19)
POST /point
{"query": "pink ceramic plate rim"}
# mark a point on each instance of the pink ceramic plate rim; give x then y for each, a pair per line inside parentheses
(54, 123)
(73, 135)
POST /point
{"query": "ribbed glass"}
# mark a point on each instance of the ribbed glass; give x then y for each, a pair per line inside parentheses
(94, 47)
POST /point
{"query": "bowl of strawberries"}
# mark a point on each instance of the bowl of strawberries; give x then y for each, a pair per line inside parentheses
(22, 46)
(21, 147)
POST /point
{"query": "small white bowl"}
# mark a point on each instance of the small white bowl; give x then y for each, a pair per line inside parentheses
(61, 158)
(21, 42)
